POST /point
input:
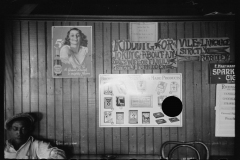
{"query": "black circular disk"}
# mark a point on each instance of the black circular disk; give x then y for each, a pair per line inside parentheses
(172, 106)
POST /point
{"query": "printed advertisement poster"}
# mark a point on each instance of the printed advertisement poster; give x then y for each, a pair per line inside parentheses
(128, 55)
(221, 73)
(135, 100)
(71, 51)
(143, 32)
(203, 49)
(225, 110)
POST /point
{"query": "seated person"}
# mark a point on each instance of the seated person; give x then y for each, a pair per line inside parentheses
(22, 145)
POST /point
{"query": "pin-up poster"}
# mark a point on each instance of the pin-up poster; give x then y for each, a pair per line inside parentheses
(135, 100)
(203, 49)
(225, 110)
(71, 51)
(128, 55)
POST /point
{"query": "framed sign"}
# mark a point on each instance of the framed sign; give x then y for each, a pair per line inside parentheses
(225, 110)
(71, 51)
(143, 32)
(135, 100)
(221, 73)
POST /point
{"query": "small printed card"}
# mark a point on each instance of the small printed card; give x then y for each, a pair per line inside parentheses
(120, 101)
(158, 115)
(108, 117)
(160, 121)
(119, 117)
(174, 119)
(108, 102)
(133, 116)
(146, 118)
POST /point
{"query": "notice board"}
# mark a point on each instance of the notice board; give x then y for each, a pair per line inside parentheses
(225, 110)
(135, 100)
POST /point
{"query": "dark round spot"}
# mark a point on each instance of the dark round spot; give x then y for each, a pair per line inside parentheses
(172, 106)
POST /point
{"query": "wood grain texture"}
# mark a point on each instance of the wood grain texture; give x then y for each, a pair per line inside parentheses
(50, 86)
(206, 128)
(107, 70)
(25, 68)
(42, 85)
(190, 121)
(17, 68)
(128, 135)
(116, 131)
(69, 108)
(75, 111)
(181, 69)
(9, 74)
(212, 97)
(98, 43)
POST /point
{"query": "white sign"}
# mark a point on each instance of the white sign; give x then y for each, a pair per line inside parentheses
(143, 32)
(225, 110)
(135, 100)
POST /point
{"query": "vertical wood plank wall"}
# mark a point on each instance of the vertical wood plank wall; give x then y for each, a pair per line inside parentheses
(68, 108)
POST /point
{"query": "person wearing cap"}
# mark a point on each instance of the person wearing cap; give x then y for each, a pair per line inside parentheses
(22, 145)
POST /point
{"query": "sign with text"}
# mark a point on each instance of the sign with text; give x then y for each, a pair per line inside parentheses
(203, 49)
(143, 32)
(221, 73)
(127, 55)
(225, 110)
(135, 100)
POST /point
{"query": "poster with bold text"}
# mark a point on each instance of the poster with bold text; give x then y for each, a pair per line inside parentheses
(221, 73)
(71, 51)
(143, 32)
(127, 55)
(135, 100)
(225, 110)
(203, 49)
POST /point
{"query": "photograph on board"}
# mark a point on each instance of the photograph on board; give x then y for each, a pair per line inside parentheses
(72, 51)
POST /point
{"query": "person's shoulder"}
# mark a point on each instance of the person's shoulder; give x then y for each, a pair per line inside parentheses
(85, 48)
(65, 48)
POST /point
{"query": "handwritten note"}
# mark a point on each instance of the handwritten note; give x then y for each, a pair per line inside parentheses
(143, 32)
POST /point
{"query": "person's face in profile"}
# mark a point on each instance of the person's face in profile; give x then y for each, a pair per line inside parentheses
(74, 37)
(20, 130)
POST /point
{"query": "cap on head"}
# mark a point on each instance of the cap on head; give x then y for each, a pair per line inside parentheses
(20, 115)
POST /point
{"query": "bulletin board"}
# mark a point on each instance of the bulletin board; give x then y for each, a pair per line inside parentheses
(135, 100)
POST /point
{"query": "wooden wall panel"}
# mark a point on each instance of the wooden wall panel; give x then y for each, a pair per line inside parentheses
(17, 65)
(75, 112)
(165, 130)
(190, 121)
(33, 62)
(214, 140)
(98, 43)
(107, 70)
(182, 152)
(25, 68)
(42, 83)
(8, 88)
(206, 127)
(69, 108)
(50, 86)
(116, 131)
(92, 107)
(128, 135)
(197, 89)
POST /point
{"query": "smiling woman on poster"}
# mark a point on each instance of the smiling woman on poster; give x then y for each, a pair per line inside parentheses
(74, 48)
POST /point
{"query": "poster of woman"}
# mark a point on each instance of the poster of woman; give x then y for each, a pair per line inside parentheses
(72, 51)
